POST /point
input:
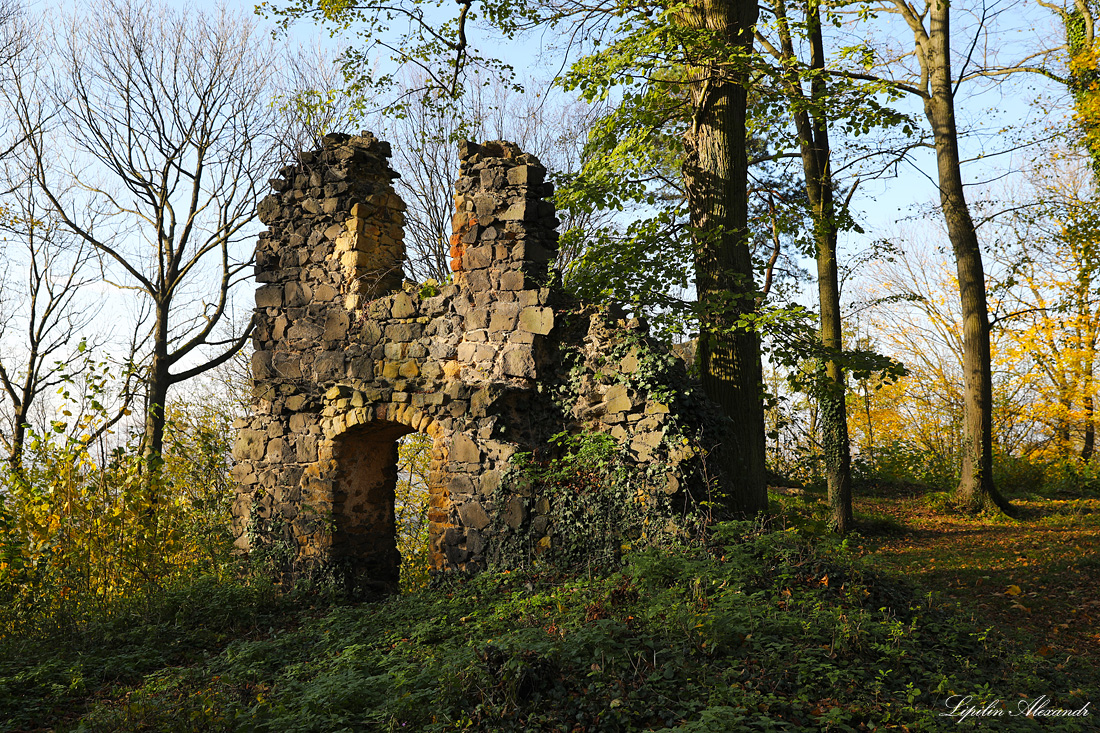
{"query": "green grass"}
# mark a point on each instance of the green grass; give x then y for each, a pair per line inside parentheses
(760, 630)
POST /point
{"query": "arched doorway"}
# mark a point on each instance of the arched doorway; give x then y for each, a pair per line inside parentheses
(368, 523)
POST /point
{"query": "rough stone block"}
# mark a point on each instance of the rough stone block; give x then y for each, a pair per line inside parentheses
(466, 351)
(489, 483)
(519, 211)
(336, 325)
(536, 320)
(296, 294)
(504, 317)
(464, 450)
(518, 361)
(269, 296)
(403, 306)
(616, 399)
(473, 515)
(275, 451)
(526, 175)
(514, 512)
(250, 445)
(288, 366)
(493, 178)
(261, 365)
(304, 330)
(478, 257)
(460, 485)
(402, 333)
(479, 280)
(629, 365)
(329, 365)
(485, 205)
(512, 280)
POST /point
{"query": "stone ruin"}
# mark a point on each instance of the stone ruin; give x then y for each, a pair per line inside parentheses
(349, 358)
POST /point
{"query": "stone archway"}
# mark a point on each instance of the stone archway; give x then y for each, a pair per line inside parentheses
(364, 528)
(364, 531)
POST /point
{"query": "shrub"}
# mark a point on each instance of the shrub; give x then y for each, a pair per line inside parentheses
(85, 526)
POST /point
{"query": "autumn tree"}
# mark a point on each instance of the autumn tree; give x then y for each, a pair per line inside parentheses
(934, 84)
(1076, 64)
(913, 311)
(164, 122)
(1050, 309)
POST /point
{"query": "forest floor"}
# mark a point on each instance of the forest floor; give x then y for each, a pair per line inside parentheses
(765, 627)
(1035, 578)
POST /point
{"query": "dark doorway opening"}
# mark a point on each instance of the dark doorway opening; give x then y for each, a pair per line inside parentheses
(380, 535)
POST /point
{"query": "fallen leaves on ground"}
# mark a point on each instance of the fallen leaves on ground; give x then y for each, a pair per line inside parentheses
(1036, 577)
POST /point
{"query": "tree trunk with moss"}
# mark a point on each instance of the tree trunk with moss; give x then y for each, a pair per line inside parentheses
(716, 177)
(811, 125)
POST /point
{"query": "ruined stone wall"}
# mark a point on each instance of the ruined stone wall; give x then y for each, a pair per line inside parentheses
(348, 359)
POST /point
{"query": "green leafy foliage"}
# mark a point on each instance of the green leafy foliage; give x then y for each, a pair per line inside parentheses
(411, 509)
(595, 505)
(753, 630)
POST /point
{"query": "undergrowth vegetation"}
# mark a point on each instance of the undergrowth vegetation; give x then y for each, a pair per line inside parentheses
(85, 528)
(756, 629)
(124, 608)
(901, 464)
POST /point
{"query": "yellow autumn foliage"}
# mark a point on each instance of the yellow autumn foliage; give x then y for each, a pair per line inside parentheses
(414, 458)
(79, 528)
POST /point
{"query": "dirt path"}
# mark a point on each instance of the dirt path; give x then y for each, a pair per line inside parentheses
(1038, 577)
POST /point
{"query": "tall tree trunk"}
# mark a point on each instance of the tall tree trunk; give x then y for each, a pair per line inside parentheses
(976, 490)
(1088, 361)
(22, 396)
(157, 383)
(1088, 446)
(1084, 81)
(812, 127)
(18, 440)
(716, 177)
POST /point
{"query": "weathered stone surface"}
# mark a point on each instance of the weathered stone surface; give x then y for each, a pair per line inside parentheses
(514, 513)
(329, 365)
(249, 445)
(518, 361)
(504, 317)
(403, 306)
(269, 296)
(261, 365)
(288, 366)
(296, 294)
(537, 320)
(336, 324)
(465, 450)
(629, 364)
(473, 515)
(268, 209)
(526, 175)
(616, 399)
(348, 358)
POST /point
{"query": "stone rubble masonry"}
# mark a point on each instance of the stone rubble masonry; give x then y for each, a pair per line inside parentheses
(348, 359)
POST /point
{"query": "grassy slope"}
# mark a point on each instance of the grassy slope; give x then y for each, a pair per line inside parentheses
(761, 631)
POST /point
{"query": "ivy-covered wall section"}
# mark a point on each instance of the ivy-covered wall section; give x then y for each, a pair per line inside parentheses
(556, 428)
